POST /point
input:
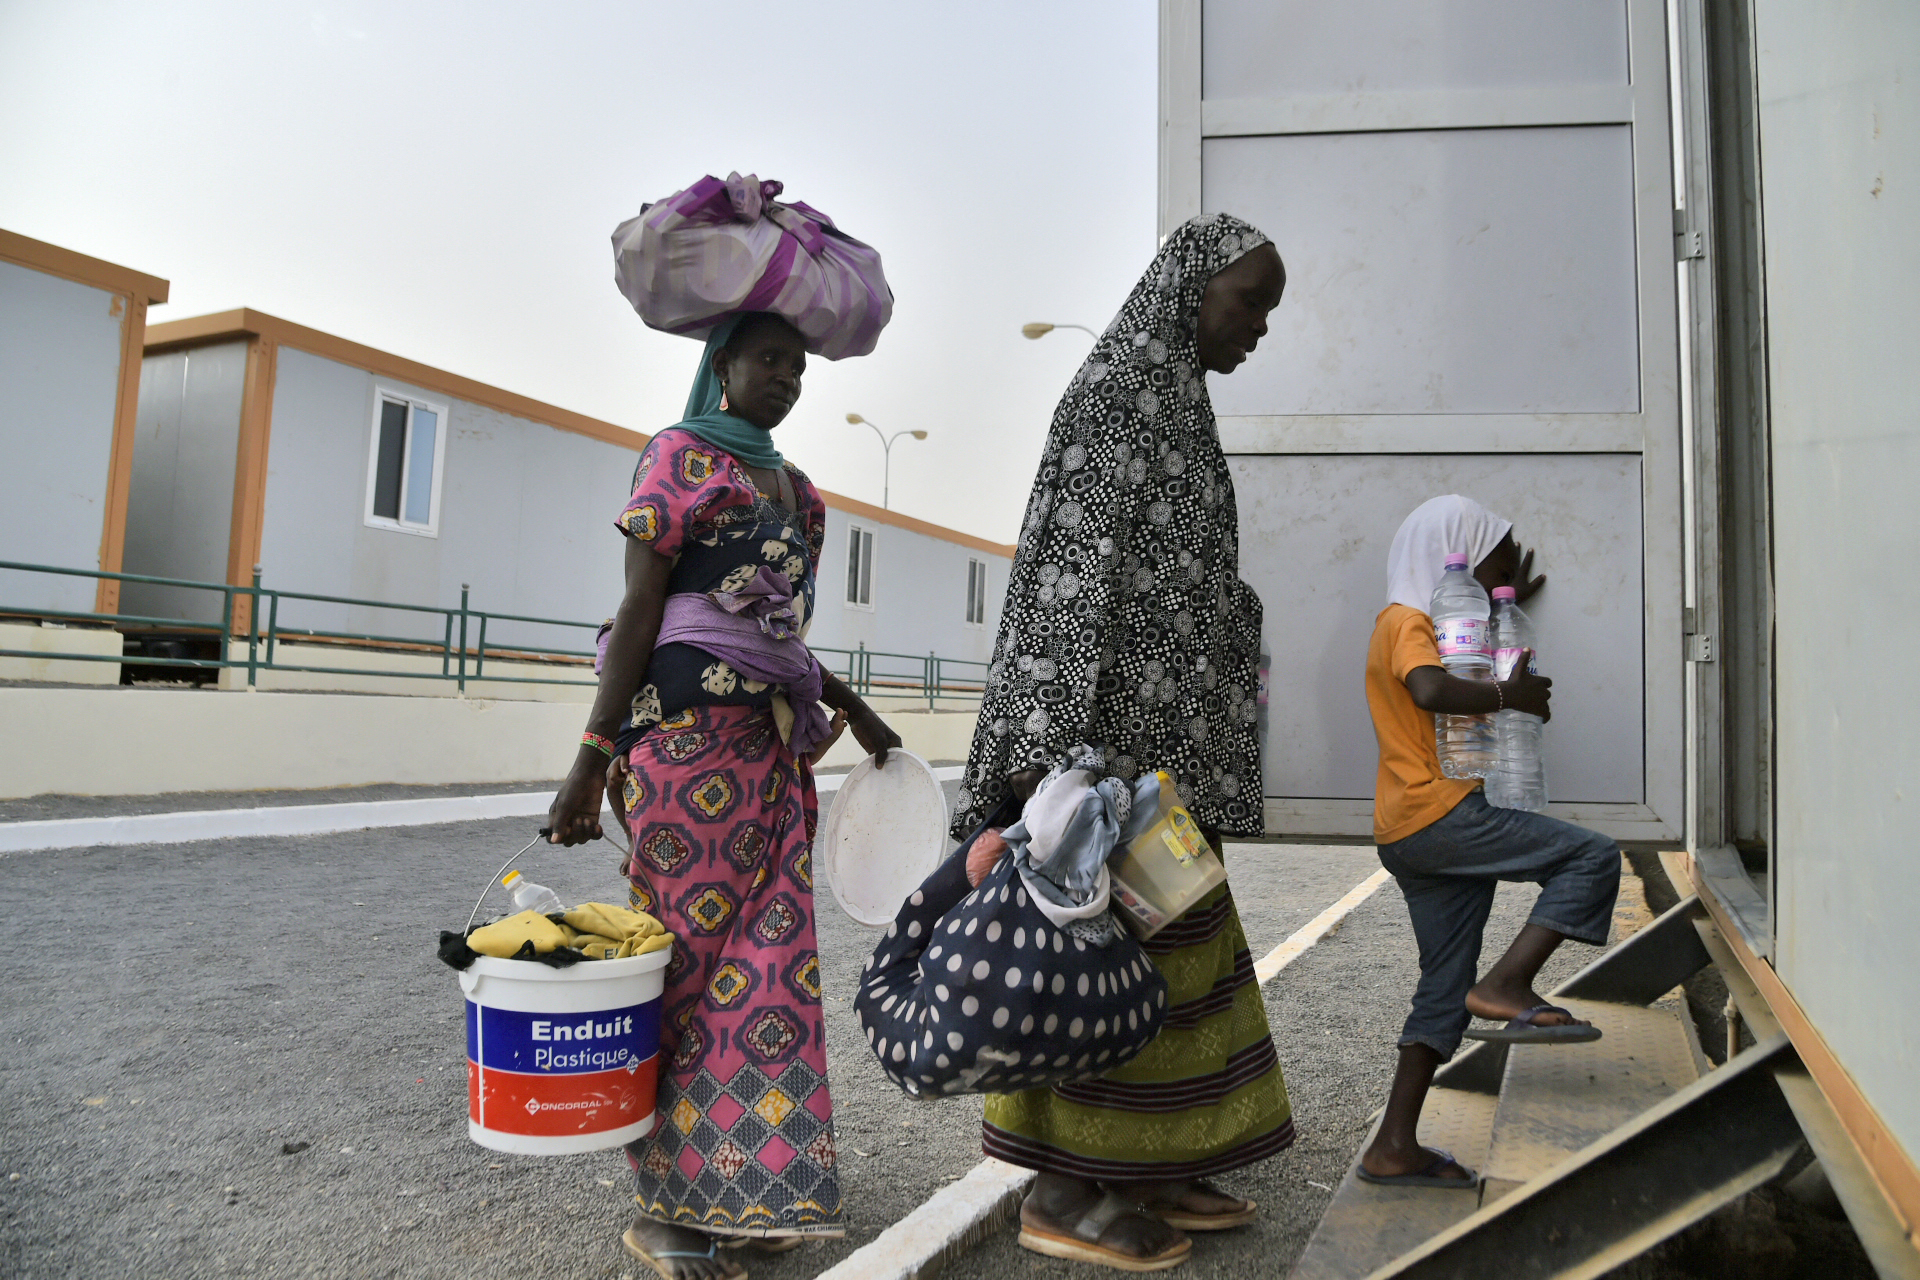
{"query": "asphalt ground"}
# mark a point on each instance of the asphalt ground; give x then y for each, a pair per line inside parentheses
(183, 1014)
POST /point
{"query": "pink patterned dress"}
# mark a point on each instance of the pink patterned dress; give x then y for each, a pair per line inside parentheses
(723, 814)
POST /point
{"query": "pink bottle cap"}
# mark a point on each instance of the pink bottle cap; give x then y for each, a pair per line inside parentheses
(1456, 561)
(1503, 593)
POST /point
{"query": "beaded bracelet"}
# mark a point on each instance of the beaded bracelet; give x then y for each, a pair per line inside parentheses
(599, 741)
(1500, 695)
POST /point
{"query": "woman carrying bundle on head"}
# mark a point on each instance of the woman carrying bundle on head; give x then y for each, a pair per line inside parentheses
(1126, 626)
(705, 729)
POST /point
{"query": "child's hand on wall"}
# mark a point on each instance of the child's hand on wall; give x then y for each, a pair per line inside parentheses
(1509, 566)
(1523, 584)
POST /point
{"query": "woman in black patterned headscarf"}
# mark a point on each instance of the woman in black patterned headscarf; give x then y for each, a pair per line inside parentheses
(1126, 626)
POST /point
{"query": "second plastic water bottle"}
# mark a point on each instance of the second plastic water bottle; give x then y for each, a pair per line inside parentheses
(1519, 777)
(1460, 613)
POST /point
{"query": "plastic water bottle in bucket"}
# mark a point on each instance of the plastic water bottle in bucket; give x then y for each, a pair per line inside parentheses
(1166, 869)
(562, 1060)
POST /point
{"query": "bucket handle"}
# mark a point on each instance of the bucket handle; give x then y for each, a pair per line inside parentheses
(544, 831)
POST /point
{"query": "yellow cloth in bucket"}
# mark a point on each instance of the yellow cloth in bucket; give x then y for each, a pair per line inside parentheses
(597, 930)
(504, 938)
(607, 932)
(594, 947)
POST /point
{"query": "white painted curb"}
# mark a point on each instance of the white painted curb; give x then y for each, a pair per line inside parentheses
(952, 1220)
(296, 819)
(1315, 929)
(278, 820)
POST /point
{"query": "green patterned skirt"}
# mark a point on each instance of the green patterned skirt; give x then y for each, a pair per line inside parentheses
(1205, 1097)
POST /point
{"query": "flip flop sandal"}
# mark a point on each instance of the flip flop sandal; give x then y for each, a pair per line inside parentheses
(632, 1241)
(1523, 1031)
(1081, 1241)
(1186, 1220)
(1427, 1177)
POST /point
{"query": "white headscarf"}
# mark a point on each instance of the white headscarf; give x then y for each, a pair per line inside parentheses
(1438, 528)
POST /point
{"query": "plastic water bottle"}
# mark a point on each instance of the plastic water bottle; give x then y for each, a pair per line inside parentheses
(1460, 614)
(1519, 777)
(528, 896)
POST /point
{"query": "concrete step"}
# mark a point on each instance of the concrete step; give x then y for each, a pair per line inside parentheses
(1556, 1099)
(1365, 1226)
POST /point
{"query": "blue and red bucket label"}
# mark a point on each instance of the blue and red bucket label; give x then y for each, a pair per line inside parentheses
(547, 1074)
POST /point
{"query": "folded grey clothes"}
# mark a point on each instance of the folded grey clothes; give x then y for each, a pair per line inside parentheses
(1075, 820)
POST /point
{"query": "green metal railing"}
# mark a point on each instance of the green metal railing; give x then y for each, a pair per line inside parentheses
(463, 647)
(874, 671)
(459, 661)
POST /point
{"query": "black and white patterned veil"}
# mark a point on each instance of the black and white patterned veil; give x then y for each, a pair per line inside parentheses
(1126, 624)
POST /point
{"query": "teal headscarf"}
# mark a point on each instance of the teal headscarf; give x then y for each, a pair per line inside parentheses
(723, 430)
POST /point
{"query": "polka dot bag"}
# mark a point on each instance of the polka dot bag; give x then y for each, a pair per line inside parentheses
(976, 991)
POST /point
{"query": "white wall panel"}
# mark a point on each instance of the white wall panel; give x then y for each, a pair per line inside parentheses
(59, 382)
(1439, 271)
(1314, 533)
(1262, 48)
(1474, 201)
(919, 595)
(526, 517)
(1840, 156)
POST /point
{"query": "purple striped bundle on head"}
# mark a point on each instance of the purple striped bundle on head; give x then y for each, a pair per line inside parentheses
(720, 248)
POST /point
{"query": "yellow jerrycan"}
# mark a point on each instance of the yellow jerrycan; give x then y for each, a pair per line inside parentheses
(1168, 867)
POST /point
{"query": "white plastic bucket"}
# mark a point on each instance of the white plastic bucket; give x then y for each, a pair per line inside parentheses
(562, 1060)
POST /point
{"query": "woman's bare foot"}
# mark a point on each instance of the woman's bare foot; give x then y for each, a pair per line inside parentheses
(1188, 1203)
(1058, 1203)
(1502, 1002)
(1195, 1195)
(648, 1240)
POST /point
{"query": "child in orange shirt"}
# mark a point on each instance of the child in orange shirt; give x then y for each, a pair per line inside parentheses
(1448, 848)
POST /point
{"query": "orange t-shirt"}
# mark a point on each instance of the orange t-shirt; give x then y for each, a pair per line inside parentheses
(1409, 792)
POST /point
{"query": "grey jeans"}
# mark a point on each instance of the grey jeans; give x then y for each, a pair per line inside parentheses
(1447, 872)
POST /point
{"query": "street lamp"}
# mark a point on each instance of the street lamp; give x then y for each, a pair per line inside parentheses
(886, 445)
(1039, 329)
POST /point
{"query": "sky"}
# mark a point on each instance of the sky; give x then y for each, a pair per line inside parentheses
(441, 181)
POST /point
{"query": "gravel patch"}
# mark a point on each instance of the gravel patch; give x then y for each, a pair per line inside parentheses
(1278, 888)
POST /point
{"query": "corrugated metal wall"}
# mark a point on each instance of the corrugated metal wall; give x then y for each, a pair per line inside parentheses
(180, 502)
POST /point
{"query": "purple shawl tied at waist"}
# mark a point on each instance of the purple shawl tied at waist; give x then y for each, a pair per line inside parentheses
(755, 631)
